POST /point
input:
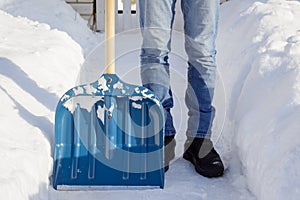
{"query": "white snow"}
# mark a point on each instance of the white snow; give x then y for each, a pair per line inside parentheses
(45, 45)
(119, 86)
(101, 113)
(90, 89)
(78, 90)
(136, 98)
(259, 60)
(84, 102)
(102, 84)
(137, 106)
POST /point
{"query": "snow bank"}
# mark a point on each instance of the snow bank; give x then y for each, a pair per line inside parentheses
(259, 60)
(38, 63)
(58, 15)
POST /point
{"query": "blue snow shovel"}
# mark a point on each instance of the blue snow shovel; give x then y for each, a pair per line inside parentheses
(108, 134)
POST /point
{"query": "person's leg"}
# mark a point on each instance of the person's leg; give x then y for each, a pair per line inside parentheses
(200, 27)
(156, 19)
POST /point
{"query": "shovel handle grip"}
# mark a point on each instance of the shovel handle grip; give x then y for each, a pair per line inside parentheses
(110, 36)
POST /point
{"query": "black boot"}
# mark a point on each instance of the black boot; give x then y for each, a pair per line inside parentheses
(170, 144)
(201, 153)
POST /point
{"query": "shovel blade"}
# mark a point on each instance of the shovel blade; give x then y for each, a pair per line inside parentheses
(108, 133)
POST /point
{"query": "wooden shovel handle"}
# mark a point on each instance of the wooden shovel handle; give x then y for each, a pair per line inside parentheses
(110, 36)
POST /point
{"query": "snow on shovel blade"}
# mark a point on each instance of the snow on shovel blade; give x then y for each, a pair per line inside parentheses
(108, 133)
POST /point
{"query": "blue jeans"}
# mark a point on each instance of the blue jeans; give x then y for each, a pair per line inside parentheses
(200, 29)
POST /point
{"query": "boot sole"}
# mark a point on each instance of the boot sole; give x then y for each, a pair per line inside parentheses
(187, 156)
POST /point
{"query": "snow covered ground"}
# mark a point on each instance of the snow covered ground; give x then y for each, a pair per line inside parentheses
(46, 48)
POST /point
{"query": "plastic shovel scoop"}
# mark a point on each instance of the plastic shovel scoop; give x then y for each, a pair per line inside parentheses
(108, 133)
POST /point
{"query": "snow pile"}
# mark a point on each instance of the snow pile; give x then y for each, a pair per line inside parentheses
(57, 14)
(259, 60)
(38, 63)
